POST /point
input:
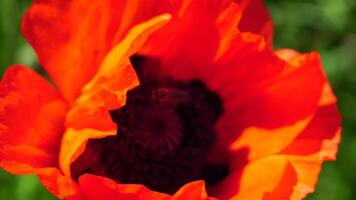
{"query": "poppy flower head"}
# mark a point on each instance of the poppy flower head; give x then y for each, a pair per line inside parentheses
(166, 100)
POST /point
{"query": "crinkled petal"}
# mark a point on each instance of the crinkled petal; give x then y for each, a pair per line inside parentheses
(55, 182)
(294, 152)
(74, 143)
(96, 187)
(293, 176)
(268, 114)
(107, 90)
(32, 116)
(255, 88)
(71, 38)
(273, 177)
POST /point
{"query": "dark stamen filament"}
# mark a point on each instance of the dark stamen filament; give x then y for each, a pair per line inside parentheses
(165, 133)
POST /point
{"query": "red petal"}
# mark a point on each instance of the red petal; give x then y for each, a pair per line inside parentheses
(299, 148)
(285, 186)
(95, 187)
(256, 19)
(324, 126)
(192, 43)
(71, 38)
(268, 114)
(255, 87)
(31, 126)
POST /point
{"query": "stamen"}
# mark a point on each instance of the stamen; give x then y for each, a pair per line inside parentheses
(165, 133)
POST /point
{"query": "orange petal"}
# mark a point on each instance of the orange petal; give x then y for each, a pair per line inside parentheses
(227, 22)
(294, 181)
(285, 186)
(318, 136)
(55, 182)
(31, 120)
(305, 154)
(71, 38)
(261, 142)
(273, 177)
(253, 180)
(73, 144)
(107, 89)
(193, 190)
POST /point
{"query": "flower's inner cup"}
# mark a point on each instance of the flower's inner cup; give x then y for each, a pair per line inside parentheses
(164, 137)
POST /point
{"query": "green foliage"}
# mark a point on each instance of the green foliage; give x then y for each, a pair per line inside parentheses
(13, 47)
(26, 187)
(326, 26)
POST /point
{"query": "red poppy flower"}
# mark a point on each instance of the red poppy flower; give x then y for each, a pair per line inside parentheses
(175, 99)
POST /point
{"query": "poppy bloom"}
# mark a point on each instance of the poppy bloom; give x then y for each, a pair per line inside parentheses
(162, 99)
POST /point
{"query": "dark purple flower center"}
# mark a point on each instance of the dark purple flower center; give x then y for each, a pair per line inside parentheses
(164, 137)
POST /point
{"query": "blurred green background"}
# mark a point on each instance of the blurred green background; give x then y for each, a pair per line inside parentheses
(327, 26)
